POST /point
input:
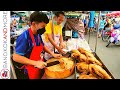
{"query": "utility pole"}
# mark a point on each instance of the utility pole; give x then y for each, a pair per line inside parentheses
(97, 29)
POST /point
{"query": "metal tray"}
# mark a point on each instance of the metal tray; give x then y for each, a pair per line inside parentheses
(104, 67)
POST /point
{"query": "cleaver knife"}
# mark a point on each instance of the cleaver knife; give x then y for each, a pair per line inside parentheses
(68, 54)
(52, 63)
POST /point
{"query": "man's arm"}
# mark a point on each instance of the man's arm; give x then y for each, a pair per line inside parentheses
(20, 51)
(52, 42)
(23, 60)
(53, 54)
(50, 38)
(62, 45)
(61, 39)
(47, 50)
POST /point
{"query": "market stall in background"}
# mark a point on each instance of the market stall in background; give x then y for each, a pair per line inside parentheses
(80, 62)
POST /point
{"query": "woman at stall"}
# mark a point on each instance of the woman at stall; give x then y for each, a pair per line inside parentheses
(80, 28)
(29, 46)
(53, 38)
(86, 25)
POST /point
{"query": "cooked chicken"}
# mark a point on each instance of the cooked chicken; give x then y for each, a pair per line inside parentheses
(93, 60)
(75, 55)
(84, 76)
(76, 51)
(98, 70)
(82, 67)
(83, 58)
(89, 57)
(83, 51)
(86, 52)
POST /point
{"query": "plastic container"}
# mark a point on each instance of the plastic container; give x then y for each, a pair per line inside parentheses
(75, 34)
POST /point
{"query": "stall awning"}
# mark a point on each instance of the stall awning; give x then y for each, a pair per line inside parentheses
(113, 14)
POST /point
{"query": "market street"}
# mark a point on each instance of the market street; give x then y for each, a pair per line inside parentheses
(71, 27)
(110, 55)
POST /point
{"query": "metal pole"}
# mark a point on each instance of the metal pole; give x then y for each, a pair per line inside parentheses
(97, 30)
(89, 35)
(13, 70)
(89, 30)
(51, 15)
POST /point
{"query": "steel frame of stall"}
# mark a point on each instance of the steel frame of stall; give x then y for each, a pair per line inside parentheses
(96, 33)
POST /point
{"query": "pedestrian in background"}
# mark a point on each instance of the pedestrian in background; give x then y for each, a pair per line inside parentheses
(101, 27)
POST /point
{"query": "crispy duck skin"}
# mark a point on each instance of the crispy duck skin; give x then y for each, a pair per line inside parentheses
(83, 51)
(83, 58)
(75, 51)
(96, 69)
(89, 60)
(84, 76)
(90, 57)
(75, 55)
(82, 67)
(93, 60)
(86, 52)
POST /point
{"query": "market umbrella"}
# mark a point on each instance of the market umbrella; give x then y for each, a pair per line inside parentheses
(114, 13)
(108, 14)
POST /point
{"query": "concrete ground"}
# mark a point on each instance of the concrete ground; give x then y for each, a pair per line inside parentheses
(110, 55)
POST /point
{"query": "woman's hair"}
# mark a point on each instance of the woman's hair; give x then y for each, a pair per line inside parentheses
(107, 25)
(58, 13)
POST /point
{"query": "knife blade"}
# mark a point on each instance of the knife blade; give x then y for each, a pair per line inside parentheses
(52, 63)
(68, 54)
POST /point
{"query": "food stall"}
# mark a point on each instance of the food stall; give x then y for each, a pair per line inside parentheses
(79, 62)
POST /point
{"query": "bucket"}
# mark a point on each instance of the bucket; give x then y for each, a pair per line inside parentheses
(74, 34)
(68, 33)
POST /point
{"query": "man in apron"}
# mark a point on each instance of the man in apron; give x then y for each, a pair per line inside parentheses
(53, 36)
(29, 46)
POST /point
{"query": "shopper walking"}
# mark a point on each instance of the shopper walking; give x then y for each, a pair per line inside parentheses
(101, 26)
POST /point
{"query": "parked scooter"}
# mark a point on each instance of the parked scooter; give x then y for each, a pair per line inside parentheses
(106, 34)
(115, 37)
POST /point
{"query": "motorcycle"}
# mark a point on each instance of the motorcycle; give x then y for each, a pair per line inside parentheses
(115, 37)
(106, 35)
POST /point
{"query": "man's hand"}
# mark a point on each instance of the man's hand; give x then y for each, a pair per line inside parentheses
(40, 64)
(57, 56)
(62, 45)
(61, 51)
